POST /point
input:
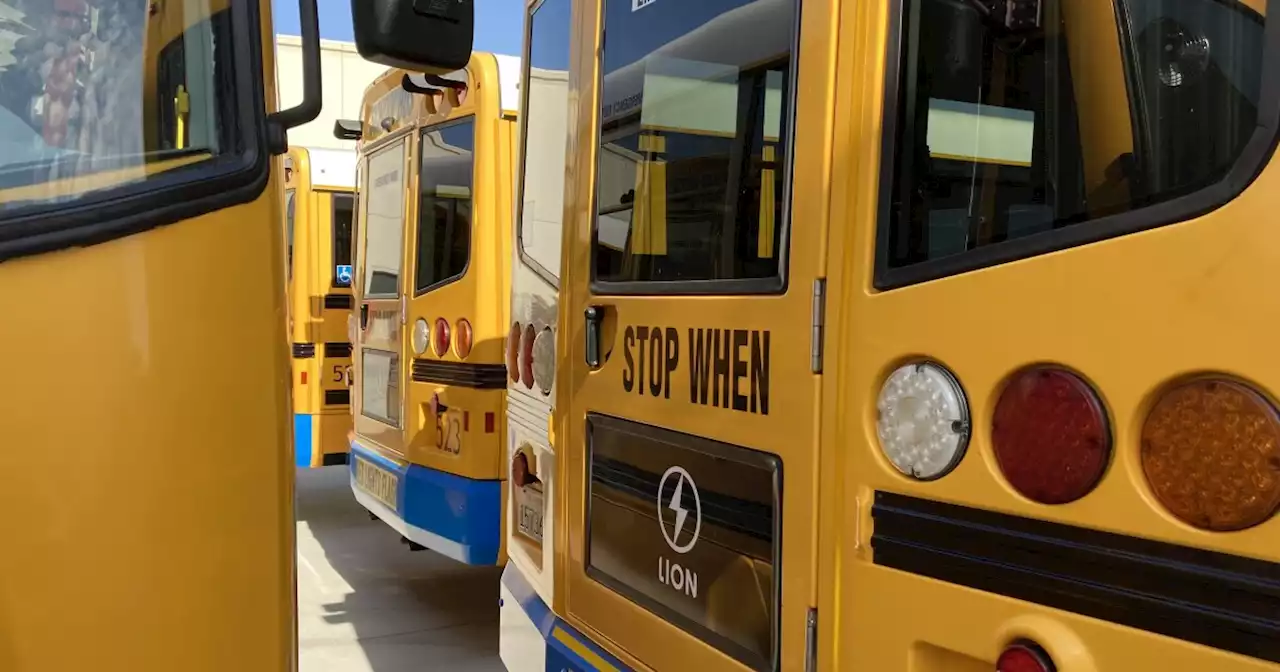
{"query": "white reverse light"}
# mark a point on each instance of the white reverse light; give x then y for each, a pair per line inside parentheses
(421, 336)
(923, 420)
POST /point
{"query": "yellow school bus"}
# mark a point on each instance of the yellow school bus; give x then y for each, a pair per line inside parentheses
(319, 213)
(531, 350)
(915, 335)
(148, 421)
(432, 281)
(141, 247)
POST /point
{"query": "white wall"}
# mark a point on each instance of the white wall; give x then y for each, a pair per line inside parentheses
(344, 78)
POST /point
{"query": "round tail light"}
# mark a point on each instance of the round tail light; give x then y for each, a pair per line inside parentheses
(462, 338)
(923, 420)
(1024, 657)
(520, 474)
(421, 336)
(544, 360)
(1211, 454)
(441, 341)
(513, 352)
(526, 356)
(1050, 435)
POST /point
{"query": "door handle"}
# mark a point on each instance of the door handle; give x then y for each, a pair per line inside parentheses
(594, 318)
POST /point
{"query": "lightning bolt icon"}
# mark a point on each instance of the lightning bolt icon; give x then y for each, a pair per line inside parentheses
(675, 505)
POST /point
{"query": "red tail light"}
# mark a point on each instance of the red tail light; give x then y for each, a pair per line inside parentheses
(1211, 453)
(513, 352)
(1024, 657)
(462, 339)
(526, 356)
(1050, 435)
(441, 341)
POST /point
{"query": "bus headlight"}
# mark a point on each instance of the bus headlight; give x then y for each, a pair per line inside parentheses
(421, 336)
(923, 421)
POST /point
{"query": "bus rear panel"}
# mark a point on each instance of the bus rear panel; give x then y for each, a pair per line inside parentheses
(428, 445)
(319, 212)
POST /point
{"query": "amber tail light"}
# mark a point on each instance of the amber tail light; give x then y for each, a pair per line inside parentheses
(1211, 454)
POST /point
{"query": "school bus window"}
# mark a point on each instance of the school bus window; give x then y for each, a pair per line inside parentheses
(444, 205)
(1010, 133)
(546, 111)
(84, 90)
(289, 195)
(693, 140)
(343, 215)
(384, 211)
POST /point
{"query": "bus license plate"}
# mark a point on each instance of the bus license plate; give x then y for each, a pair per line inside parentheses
(378, 482)
(529, 510)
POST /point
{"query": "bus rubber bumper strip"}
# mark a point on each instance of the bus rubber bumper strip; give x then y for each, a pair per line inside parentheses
(567, 649)
(455, 516)
(1226, 602)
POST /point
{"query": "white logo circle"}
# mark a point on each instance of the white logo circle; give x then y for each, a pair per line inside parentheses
(678, 509)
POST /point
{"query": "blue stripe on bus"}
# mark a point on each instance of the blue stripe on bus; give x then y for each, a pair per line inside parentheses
(302, 439)
(465, 512)
(559, 655)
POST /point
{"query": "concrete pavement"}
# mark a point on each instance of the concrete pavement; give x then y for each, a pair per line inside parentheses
(368, 604)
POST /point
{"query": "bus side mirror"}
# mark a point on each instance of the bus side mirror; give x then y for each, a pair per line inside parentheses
(347, 129)
(429, 36)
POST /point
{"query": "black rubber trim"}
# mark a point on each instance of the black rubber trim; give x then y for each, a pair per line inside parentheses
(335, 459)
(337, 397)
(1252, 160)
(1223, 601)
(237, 177)
(732, 513)
(339, 302)
(337, 349)
(304, 350)
(479, 376)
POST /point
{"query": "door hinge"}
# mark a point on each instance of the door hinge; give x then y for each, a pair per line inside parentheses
(811, 640)
(404, 309)
(819, 324)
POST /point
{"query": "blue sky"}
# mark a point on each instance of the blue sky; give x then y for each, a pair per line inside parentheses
(498, 22)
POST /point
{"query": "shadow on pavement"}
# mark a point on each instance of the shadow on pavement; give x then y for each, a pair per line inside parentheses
(365, 602)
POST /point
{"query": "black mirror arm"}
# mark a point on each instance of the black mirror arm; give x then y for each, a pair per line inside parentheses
(312, 94)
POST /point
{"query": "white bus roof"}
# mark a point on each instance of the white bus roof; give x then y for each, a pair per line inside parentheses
(333, 168)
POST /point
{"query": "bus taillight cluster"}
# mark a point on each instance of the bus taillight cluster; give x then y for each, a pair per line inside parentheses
(440, 337)
(531, 357)
(1209, 446)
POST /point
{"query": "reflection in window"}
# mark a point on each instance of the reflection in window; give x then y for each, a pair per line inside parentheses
(343, 215)
(384, 213)
(693, 140)
(546, 116)
(288, 229)
(91, 86)
(1009, 131)
(444, 205)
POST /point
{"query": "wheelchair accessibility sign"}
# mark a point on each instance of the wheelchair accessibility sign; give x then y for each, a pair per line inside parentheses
(343, 274)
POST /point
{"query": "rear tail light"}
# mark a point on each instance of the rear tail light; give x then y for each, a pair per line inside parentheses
(421, 336)
(1050, 435)
(520, 473)
(544, 360)
(526, 356)
(923, 420)
(1024, 657)
(1211, 454)
(462, 339)
(441, 342)
(513, 352)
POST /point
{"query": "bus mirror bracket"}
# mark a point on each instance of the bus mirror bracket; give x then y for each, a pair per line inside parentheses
(433, 37)
(278, 124)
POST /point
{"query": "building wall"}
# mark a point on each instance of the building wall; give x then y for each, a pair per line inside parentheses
(345, 76)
